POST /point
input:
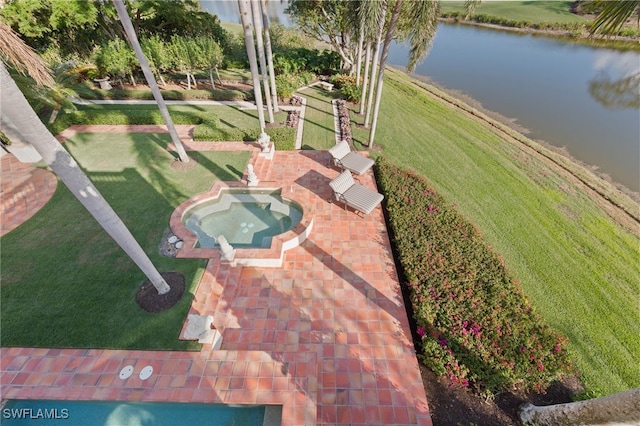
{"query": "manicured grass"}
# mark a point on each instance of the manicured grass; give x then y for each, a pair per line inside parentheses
(578, 268)
(532, 11)
(65, 283)
(319, 130)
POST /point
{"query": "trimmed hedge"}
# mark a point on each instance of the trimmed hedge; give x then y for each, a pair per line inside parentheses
(284, 138)
(474, 323)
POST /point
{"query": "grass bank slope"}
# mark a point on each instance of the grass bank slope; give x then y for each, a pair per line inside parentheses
(578, 267)
(532, 11)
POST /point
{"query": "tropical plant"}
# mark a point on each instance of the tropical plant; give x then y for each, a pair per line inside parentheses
(116, 59)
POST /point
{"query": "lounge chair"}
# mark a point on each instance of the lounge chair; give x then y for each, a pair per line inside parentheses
(353, 194)
(345, 159)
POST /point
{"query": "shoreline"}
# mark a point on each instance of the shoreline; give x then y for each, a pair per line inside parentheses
(614, 42)
(619, 201)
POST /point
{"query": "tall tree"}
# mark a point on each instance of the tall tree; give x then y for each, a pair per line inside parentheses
(20, 123)
(245, 16)
(378, 10)
(211, 55)
(151, 81)
(257, 23)
(327, 20)
(420, 23)
(269, 52)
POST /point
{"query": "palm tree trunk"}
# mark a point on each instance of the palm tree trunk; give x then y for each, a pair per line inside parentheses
(359, 58)
(257, 23)
(620, 408)
(213, 84)
(383, 62)
(20, 119)
(146, 69)
(365, 84)
(267, 46)
(374, 66)
(245, 17)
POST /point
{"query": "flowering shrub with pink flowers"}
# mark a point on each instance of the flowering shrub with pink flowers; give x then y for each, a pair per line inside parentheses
(344, 120)
(475, 324)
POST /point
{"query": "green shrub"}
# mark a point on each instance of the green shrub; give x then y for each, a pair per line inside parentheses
(306, 77)
(210, 132)
(284, 138)
(286, 84)
(351, 92)
(475, 324)
(341, 80)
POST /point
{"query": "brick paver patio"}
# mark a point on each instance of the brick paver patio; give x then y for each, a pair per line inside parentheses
(326, 335)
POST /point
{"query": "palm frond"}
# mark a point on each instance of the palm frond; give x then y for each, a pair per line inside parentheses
(15, 53)
(470, 6)
(612, 14)
(424, 21)
(369, 13)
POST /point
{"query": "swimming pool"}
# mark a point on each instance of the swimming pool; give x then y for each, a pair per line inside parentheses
(122, 413)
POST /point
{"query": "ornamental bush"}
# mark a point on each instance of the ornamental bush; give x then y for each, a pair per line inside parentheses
(475, 324)
(283, 138)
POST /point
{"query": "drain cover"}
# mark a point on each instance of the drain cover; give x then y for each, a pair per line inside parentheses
(146, 372)
(126, 372)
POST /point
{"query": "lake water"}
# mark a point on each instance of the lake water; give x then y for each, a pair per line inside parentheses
(555, 88)
(544, 84)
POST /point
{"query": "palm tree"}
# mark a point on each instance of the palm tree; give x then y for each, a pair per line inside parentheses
(151, 80)
(379, 10)
(421, 19)
(20, 123)
(267, 46)
(245, 17)
(257, 23)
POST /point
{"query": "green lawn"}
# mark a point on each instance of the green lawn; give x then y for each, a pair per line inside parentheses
(229, 116)
(319, 129)
(533, 11)
(65, 283)
(579, 268)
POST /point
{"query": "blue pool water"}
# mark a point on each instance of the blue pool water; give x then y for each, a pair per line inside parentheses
(118, 413)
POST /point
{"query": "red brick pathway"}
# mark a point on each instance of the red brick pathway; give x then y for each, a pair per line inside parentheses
(24, 189)
(326, 336)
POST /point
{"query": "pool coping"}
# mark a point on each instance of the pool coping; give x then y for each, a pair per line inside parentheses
(256, 257)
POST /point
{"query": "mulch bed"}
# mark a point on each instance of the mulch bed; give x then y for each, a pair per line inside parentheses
(452, 405)
(149, 299)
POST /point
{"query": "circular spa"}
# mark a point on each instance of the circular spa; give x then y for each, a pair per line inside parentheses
(247, 218)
